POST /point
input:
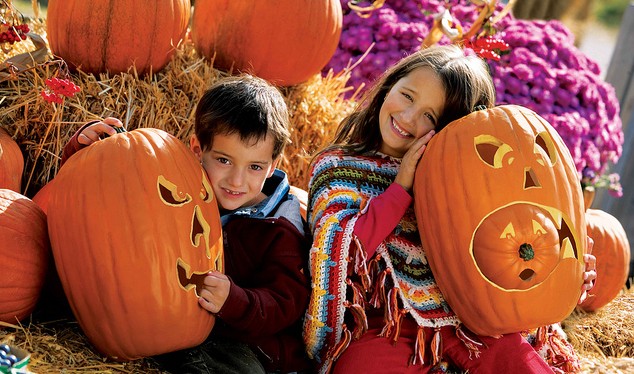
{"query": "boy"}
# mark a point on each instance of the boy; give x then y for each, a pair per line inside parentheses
(241, 129)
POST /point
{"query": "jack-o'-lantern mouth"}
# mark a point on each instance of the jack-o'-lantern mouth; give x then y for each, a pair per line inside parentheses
(517, 246)
(188, 279)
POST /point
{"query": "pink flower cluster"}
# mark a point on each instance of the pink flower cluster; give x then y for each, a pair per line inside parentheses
(542, 70)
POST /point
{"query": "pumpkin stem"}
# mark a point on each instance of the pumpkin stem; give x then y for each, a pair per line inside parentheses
(526, 252)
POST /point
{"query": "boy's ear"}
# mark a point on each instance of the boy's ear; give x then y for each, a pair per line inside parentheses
(195, 147)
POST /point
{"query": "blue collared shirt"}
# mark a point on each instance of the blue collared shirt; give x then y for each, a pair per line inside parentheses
(278, 203)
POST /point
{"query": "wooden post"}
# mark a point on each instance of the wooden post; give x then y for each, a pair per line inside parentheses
(620, 74)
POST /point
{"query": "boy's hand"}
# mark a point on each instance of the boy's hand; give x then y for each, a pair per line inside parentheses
(96, 131)
(405, 176)
(590, 275)
(215, 291)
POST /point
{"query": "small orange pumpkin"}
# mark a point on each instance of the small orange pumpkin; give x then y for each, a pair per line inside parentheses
(11, 162)
(302, 195)
(24, 251)
(134, 228)
(501, 218)
(612, 250)
(101, 36)
(283, 41)
(42, 196)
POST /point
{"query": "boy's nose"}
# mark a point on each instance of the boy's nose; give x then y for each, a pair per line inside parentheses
(236, 177)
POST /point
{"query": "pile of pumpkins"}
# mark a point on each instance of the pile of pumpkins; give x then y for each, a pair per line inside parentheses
(283, 41)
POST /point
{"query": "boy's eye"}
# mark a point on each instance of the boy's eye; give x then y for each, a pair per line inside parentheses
(222, 160)
(256, 167)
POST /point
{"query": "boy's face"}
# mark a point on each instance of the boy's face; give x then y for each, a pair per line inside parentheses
(237, 170)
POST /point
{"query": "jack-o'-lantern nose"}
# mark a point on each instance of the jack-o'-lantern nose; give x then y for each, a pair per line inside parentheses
(530, 179)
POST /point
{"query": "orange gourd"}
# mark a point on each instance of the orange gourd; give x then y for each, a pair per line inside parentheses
(101, 36)
(42, 196)
(24, 251)
(283, 41)
(11, 162)
(501, 218)
(302, 196)
(134, 228)
(612, 250)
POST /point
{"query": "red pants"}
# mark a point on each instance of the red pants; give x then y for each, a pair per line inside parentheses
(375, 354)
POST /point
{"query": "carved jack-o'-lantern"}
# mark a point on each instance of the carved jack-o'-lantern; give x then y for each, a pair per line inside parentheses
(134, 227)
(501, 217)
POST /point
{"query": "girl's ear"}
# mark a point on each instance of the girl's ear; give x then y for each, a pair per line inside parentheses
(195, 147)
(274, 166)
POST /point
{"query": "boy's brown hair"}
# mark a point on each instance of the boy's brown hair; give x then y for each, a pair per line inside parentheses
(246, 105)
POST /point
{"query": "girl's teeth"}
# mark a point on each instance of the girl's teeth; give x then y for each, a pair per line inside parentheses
(400, 130)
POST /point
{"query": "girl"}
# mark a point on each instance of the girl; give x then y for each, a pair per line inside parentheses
(375, 306)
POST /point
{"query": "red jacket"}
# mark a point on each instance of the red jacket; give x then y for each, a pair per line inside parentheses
(266, 261)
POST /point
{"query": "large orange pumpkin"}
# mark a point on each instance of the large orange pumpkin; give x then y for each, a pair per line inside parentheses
(24, 250)
(612, 250)
(283, 41)
(134, 227)
(11, 162)
(101, 36)
(500, 213)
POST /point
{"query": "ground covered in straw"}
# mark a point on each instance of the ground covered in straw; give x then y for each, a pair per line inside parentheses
(166, 100)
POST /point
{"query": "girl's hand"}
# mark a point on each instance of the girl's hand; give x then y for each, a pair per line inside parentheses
(95, 131)
(215, 292)
(405, 176)
(590, 275)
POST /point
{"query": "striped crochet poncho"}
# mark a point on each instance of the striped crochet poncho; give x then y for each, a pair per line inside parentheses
(346, 283)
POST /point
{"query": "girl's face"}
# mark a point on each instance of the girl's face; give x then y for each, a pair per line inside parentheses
(410, 110)
(237, 170)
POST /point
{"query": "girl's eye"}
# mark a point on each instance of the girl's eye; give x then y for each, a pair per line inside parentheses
(408, 96)
(431, 118)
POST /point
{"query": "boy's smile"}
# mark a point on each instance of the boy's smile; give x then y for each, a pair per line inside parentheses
(237, 169)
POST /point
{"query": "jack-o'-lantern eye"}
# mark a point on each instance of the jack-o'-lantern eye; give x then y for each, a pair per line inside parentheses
(492, 151)
(206, 192)
(544, 146)
(169, 194)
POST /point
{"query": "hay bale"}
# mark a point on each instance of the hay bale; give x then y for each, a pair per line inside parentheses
(608, 332)
(165, 100)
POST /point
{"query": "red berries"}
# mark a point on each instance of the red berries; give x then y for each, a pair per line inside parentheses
(58, 88)
(13, 33)
(487, 47)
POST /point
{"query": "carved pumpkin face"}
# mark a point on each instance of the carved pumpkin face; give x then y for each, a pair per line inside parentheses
(134, 227)
(500, 213)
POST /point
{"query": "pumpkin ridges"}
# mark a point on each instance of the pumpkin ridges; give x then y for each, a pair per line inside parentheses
(24, 251)
(285, 42)
(111, 36)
